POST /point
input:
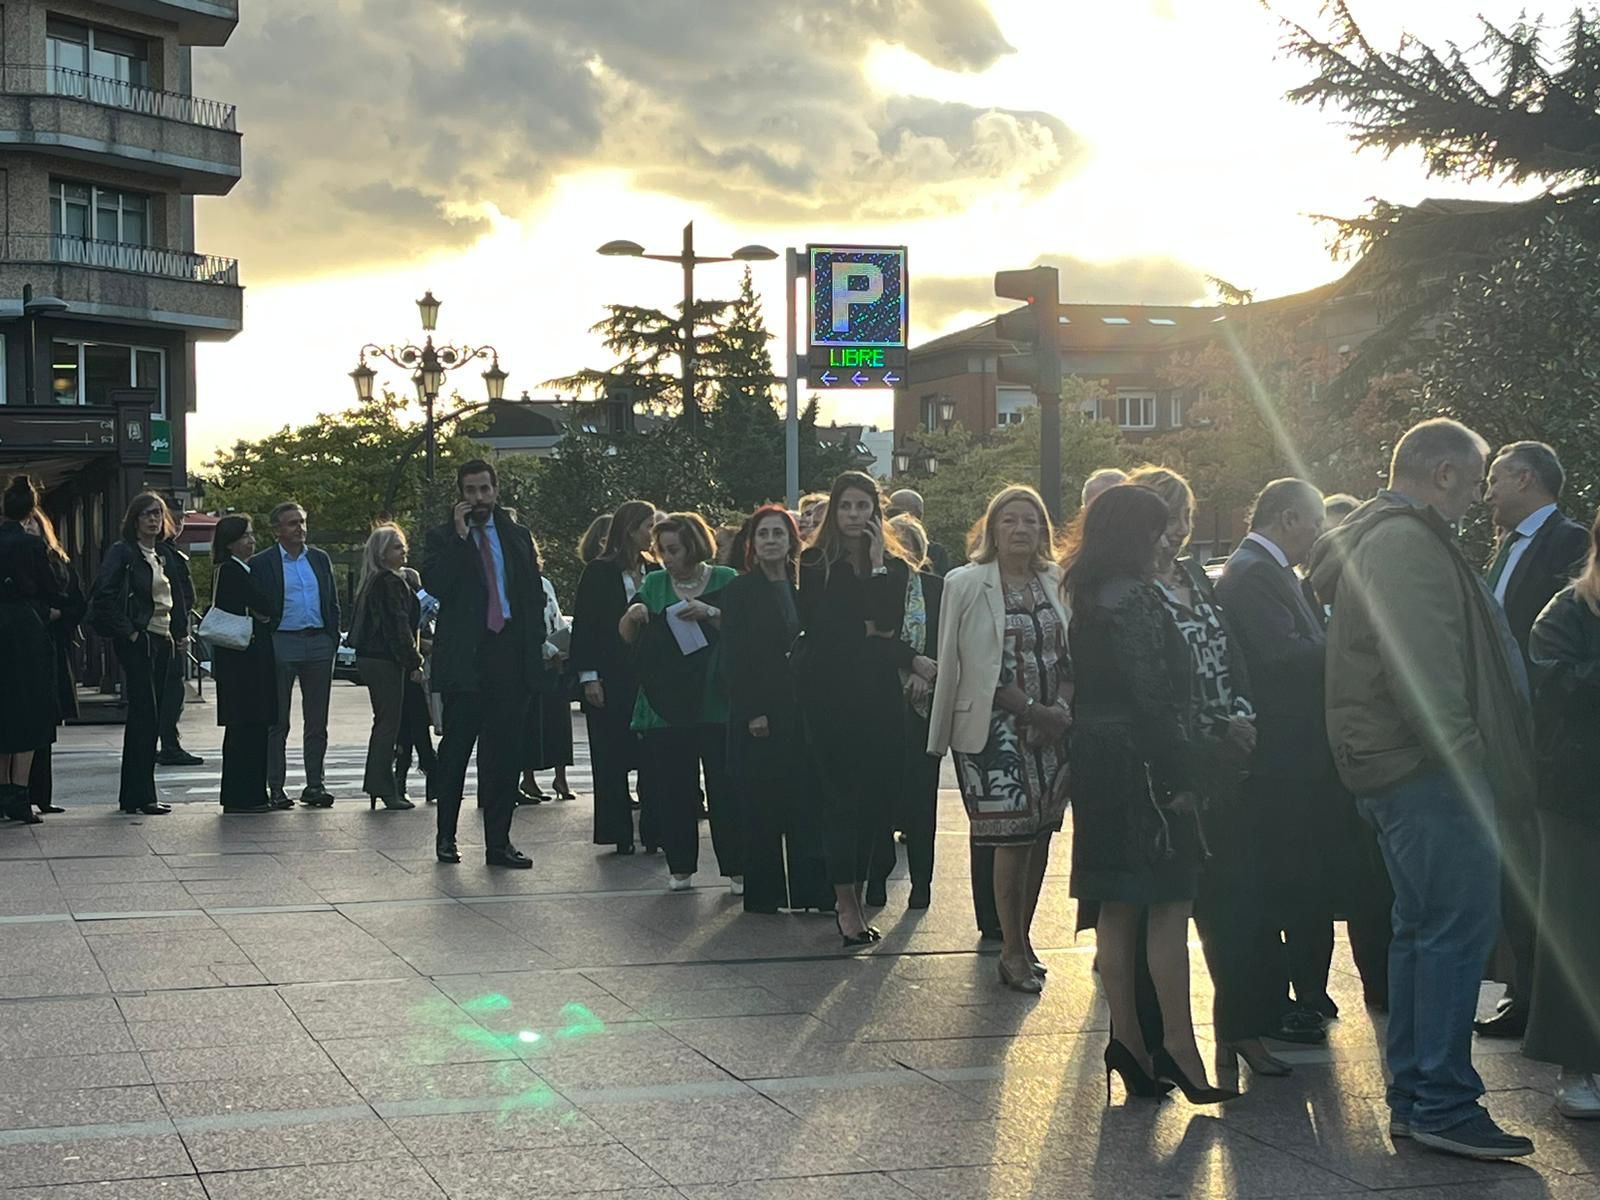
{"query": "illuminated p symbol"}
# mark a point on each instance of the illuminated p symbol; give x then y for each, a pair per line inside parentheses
(844, 296)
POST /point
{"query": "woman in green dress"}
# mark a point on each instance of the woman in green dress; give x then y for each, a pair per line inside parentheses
(674, 625)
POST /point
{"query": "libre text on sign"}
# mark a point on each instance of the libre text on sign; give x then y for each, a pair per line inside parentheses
(859, 316)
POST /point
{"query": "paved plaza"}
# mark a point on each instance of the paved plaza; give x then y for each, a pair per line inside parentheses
(305, 1005)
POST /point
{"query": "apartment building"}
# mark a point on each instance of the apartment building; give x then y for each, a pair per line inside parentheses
(103, 293)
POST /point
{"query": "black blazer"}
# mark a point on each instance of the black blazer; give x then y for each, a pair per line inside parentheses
(120, 602)
(247, 689)
(1554, 556)
(1565, 646)
(1284, 646)
(452, 571)
(267, 568)
(597, 610)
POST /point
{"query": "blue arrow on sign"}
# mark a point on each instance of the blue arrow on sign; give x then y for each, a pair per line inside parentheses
(829, 379)
(858, 378)
(890, 378)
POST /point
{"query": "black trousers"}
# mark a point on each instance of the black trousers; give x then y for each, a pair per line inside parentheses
(613, 751)
(172, 697)
(415, 733)
(918, 817)
(678, 758)
(1519, 898)
(1364, 895)
(244, 765)
(41, 779)
(145, 662)
(984, 907)
(1236, 915)
(492, 719)
(1298, 824)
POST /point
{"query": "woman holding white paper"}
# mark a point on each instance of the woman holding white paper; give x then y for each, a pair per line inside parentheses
(682, 710)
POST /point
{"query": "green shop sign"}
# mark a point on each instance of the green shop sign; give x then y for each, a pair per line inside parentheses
(160, 442)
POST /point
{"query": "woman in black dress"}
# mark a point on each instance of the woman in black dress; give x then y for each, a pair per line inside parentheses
(852, 602)
(1136, 845)
(64, 622)
(1565, 648)
(766, 752)
(607, 676)
(247, 694)
(28, 593)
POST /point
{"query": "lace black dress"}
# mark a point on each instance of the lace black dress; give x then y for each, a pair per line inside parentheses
(1130, 750)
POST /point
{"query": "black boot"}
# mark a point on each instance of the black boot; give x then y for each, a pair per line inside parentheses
(16, 804)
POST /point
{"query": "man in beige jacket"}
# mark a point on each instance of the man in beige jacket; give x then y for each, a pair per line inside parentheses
(1430, 727)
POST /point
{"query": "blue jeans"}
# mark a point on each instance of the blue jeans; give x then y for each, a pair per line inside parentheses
(1443, 855)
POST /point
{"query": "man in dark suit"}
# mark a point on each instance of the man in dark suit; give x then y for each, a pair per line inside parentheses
(298, 578)
(1539, 551)
(488, 655)
(1291, 784)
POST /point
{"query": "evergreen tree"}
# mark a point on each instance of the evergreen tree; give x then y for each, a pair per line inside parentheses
(744, 429)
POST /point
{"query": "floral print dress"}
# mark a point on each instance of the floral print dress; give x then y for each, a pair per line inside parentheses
(1014, 791)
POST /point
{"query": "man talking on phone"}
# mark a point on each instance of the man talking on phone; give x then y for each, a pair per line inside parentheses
(488, 657)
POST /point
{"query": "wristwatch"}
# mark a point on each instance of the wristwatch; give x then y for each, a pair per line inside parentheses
(880, 570)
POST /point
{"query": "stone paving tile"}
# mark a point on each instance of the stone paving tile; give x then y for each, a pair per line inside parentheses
(378, 1179)
(766, 1154)
(448, 1044)
(548, 1172)
(871, 1186)
(368, 1008)
(397, 1088)
(31, 1075)
(766, 1047)
(63, 1107)
(60, 1028)
(245, 1147)
(693, 1119)
(184, 1187)
(90, 1160)
(273, 1094)
(537, 1123)
(298, 1057)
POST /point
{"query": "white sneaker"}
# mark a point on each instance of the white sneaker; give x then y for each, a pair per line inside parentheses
(1578, 1095)
(736, 884)
(680, 883)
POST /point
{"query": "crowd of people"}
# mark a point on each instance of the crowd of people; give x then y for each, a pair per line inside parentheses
(1346, 720)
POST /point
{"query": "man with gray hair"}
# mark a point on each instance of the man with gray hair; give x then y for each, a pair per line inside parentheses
(1430, 727)
(909, 502)
(1101, 481)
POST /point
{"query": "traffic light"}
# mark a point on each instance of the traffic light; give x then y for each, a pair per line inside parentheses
(1035, 327)
(1039, 366)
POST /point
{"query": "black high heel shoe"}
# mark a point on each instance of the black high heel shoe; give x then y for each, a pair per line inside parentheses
(1167, 1070)
(1135, 1078)
(864, 938)
(15, 804)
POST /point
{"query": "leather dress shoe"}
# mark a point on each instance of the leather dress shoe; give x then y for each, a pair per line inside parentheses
(1511, 1023)
(263, 807)
(316, 797)
(509, 857)
(280, 803)
(178, 757)
(1300, 1027)
(445, 848)
(153, 809)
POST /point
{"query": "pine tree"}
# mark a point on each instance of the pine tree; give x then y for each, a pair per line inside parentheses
(744, 430)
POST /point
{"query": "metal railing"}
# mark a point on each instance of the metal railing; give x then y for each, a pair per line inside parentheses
(25, 80)
(119, 256)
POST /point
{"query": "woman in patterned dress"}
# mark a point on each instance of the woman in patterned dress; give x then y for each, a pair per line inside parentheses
(1002, 702)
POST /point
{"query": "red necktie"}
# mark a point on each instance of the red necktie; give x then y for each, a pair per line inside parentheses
(491, 577)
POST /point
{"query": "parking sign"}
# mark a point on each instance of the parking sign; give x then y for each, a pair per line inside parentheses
(859, 316)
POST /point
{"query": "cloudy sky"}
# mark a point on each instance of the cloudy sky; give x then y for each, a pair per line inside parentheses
(484, 148)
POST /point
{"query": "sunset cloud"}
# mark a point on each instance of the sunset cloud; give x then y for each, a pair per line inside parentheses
(375, 129)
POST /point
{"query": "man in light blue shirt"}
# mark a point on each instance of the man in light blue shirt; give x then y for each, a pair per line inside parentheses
(305, 639)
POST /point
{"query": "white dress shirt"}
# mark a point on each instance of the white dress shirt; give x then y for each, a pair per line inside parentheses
(1531, 525)
(1271, 548)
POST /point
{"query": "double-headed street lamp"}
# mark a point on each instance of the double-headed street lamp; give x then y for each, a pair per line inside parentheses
(429, 364)
(689, 260)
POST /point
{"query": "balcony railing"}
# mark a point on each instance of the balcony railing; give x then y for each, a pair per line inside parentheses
(119, 256)
(114, 93)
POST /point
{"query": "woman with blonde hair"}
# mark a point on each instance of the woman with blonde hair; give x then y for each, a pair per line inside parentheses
(384, 635)
(1565, 648)
(63, 627)
(1003, 704)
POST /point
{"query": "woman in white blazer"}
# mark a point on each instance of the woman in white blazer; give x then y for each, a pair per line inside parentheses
(1002, 702)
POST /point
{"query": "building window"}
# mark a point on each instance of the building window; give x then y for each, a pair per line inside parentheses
(930, 414)
(75, 52)
(1176, 411)
(1136, 410)
(88, 372)
(81, 210)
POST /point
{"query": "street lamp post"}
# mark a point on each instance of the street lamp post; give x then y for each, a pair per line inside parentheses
(688, 260)
(428, 364)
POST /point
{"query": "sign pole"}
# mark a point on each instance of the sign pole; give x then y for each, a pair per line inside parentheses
(791, 421)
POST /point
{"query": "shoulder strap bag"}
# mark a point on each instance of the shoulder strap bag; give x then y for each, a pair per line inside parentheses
(223, 630)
